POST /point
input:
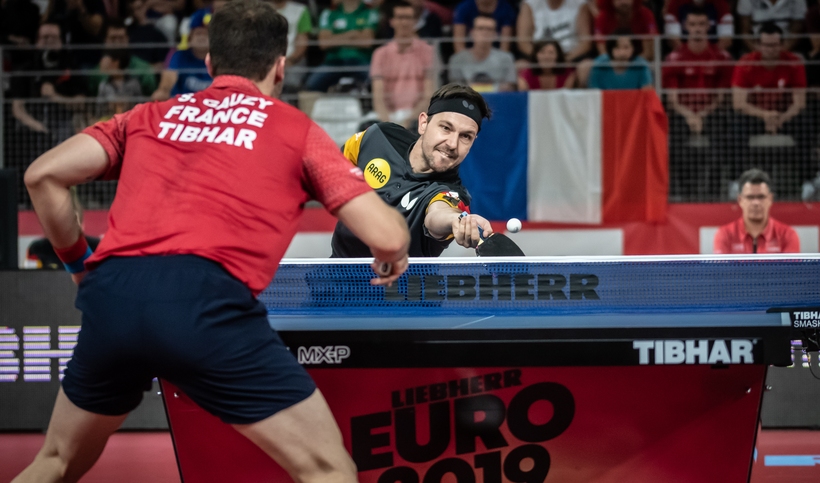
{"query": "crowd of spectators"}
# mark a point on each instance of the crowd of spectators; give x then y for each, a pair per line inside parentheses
(156, 49)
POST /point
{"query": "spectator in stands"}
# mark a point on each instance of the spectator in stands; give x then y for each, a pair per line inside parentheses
(186, 70)
(142, 31)
(81, 22)
(117, 48)
(402, 70)
(39, 126)
(428, 26)
(755, 231)
(770, 67)
(813, 57)
(119, 88)
(696, 64)
(299, 27)
(567, 21)
(721, 20)
(344, 33)
(165, 15)
(466, 13)
(58, 85)
(786, 14)
(694, 118)
(768, 93)
(19, 21)
(622, 66)
(626, 15)
(483, 67)
(543, 73)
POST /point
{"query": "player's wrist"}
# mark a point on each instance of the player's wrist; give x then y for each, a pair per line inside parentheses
(74, 256)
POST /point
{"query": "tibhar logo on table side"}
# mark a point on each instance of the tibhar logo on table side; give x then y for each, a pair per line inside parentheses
(806, 320)
(704, 351)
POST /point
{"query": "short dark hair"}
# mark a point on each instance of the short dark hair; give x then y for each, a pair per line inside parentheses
(754, 176)
(461, 91)
(696, 10)
(536, 69)
(399, 4)
(612, 42)
(485, 15)
(246, 38)
(114, 23)
(770, 28)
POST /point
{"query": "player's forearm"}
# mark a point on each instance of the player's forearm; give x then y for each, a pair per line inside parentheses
(52, 203)
(798, 103)
(439, 220)
(377, 225)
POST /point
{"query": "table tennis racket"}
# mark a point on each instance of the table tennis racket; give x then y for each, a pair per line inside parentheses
(497, 245)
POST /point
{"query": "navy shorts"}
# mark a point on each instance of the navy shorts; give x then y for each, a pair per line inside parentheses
(185, 319)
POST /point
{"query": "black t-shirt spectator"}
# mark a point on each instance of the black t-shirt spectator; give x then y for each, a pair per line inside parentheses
(19, 21)
(147, 34)
(73, 31)
(60, 62)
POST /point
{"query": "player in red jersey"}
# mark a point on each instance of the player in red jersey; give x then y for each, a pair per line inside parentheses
(211, 186)
(756, 231)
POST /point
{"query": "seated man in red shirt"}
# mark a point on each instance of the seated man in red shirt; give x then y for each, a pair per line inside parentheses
(721, 21)
(768, 93)
(698, 67)
(626, 14)
(756, 231)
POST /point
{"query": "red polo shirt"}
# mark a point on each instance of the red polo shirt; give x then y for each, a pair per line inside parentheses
(776, 238)
(751, 73)
(709, 69)
(222, 173)
(641, 23)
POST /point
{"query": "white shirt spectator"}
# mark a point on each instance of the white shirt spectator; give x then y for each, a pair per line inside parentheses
(485, 75)
(560, 24)
(782, 12)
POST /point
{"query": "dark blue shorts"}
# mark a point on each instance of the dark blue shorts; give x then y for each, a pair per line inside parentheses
(185, 319)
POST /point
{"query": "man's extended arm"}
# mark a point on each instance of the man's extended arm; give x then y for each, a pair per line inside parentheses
(380, 227)
(443, 220)
(78, 160)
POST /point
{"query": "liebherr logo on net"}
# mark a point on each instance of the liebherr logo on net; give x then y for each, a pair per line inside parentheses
(704, 351)
(331, 354)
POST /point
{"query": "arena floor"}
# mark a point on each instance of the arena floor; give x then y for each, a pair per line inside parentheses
(140, 457)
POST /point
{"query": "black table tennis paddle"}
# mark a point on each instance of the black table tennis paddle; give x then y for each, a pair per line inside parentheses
(497, 245)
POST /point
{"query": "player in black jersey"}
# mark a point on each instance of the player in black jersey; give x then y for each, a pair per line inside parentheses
(418, 175)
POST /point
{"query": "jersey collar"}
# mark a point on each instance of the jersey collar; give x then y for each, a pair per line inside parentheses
(236, 81)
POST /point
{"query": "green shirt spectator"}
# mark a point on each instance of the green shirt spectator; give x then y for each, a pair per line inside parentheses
(345, 34)
(140, 69)
(343, 20)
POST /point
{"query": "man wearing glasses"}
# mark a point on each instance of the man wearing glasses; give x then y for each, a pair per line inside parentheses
(756, 231)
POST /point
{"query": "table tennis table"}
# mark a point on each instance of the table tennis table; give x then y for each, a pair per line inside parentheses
(571, 369)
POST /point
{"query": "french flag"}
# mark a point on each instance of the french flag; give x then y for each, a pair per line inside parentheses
(571, 156)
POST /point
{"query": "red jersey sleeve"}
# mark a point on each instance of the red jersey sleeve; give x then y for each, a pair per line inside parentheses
(740, 77)
(790, 242)
(327, 175)
(726, 70)
(647, 24)
(111, 135)
(799, 75)
(722, 243)
(670, 71)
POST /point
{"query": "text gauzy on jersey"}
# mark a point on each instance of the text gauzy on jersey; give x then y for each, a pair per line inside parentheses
(236, 109)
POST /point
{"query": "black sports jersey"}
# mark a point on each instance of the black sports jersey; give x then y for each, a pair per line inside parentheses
(383, 154)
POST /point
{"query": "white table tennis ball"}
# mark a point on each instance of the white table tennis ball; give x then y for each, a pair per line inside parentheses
(514, 225)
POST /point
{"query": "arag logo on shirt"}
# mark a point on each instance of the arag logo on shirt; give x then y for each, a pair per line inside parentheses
(377, 173)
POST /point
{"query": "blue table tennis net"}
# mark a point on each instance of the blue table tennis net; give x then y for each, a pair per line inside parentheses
(617, 285)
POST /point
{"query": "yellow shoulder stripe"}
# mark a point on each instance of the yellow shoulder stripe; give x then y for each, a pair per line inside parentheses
(352, 147)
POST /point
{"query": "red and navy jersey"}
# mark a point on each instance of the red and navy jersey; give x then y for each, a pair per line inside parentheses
(223, 173)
